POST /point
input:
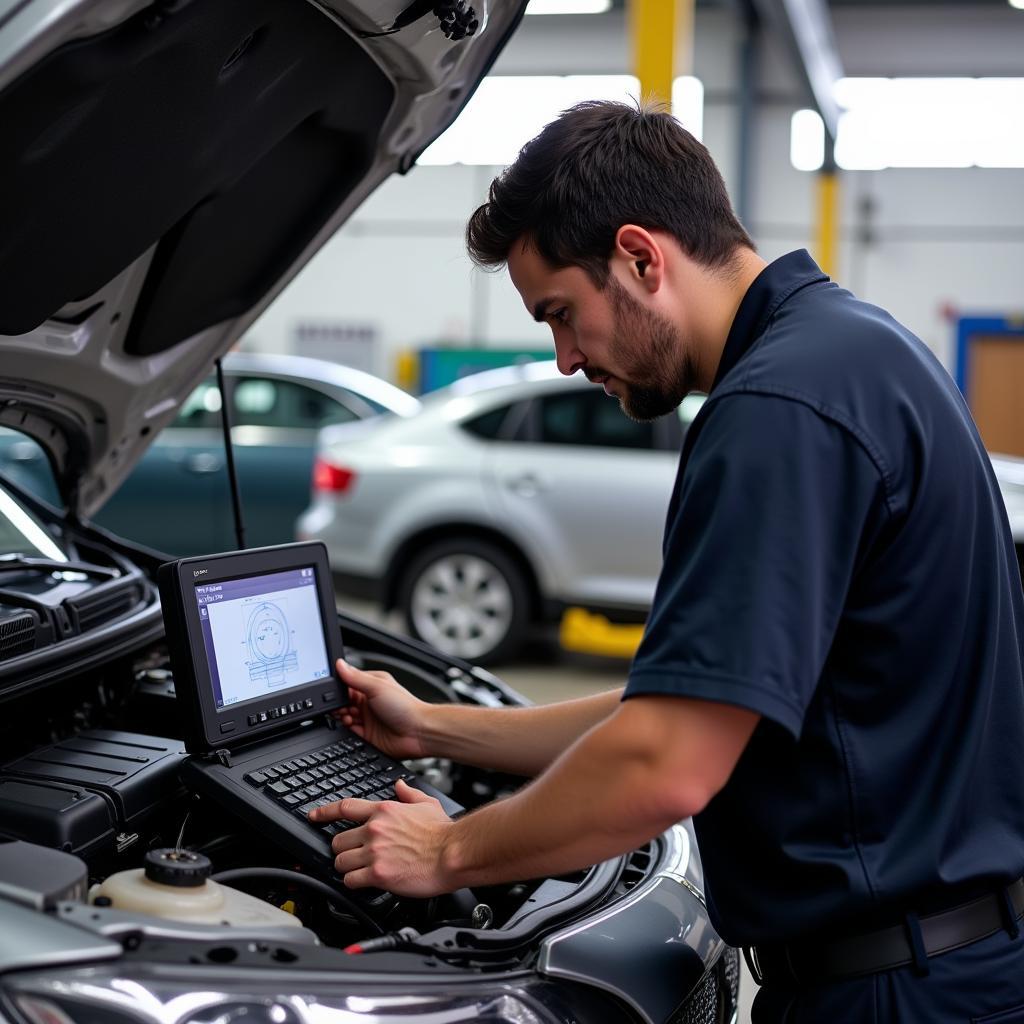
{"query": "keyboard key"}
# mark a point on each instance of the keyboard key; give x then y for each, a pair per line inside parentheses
(278, 787)
(290, 766)
(317, 773)
(304, 762)
(305, 777)
(256, 778)
(292, 782)
(272, 773)
(324, 787)
(291, 799)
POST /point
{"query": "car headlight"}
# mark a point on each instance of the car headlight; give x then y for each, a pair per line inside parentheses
(106, 995)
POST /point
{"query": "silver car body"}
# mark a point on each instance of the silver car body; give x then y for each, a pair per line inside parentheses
(588, 520)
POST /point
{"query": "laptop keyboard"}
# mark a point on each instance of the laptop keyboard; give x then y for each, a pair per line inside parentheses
(347, 768)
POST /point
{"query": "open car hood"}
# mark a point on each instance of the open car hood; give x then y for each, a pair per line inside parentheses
(168, 167)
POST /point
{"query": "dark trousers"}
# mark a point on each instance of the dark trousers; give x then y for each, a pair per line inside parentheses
(980, 984)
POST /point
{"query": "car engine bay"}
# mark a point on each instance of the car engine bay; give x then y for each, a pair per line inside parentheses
(92, 753)
(114, 873)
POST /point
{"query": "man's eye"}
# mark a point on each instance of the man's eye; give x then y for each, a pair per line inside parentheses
(560, 316)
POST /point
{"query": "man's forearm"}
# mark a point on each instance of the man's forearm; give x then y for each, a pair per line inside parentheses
(608, 794)
(523, 741)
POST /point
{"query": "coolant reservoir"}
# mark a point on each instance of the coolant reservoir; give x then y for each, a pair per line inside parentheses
(175, 884)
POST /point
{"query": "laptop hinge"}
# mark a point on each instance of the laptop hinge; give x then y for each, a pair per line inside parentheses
(223, 756)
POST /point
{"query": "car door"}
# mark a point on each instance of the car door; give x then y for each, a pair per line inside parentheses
(173, 500)
(275, 423)
(590, 488)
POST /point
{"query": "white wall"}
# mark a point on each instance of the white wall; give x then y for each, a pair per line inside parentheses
(937, 238)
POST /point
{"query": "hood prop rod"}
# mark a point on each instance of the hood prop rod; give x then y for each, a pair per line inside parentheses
(229, 454)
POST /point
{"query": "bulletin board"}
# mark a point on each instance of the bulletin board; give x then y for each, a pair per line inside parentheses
(990, 374)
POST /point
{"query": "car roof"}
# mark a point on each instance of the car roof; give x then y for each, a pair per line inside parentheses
(508, 383)
(368, 386)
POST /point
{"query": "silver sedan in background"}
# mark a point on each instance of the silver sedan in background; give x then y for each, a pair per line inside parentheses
(512, 495)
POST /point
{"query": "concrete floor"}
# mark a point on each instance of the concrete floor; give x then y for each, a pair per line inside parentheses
(546, 674)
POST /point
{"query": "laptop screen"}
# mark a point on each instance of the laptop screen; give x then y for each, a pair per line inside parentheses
(263, 636)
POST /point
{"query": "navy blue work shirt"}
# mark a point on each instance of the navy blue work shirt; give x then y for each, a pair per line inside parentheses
(837, 558)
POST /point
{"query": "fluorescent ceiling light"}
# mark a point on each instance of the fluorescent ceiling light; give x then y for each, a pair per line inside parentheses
(569, 6)
(925, 122)
(807, 140)
(509, 110)
(1019, 4)
(688, 104)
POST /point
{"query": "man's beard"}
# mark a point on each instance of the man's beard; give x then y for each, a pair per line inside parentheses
(651, 354)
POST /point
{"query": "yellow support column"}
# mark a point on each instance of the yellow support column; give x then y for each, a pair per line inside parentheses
(661, 32)
(827, 234)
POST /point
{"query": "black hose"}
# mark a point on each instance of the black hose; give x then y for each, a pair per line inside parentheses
(297, 878)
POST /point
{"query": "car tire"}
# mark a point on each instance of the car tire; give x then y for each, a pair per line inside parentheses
(467, 598)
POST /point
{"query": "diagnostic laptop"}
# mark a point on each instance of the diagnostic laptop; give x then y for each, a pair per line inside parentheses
(253, 638)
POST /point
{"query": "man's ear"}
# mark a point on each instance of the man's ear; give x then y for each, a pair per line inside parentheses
(640, 255)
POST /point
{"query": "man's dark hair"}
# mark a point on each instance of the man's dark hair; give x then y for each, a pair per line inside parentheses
(598, 166)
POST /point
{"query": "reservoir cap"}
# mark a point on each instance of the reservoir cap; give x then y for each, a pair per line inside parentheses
(181, 868)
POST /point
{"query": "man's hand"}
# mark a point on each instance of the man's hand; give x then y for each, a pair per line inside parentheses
(399, 846)
(382, 712)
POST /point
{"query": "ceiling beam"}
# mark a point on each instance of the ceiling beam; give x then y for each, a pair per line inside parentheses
(805, 26)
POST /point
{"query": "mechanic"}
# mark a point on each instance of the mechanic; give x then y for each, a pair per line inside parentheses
(830, 681)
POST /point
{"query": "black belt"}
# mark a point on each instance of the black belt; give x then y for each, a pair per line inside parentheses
(814, 961)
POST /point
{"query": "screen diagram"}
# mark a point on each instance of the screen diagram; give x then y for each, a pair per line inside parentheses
(265, 639)
(269, 638)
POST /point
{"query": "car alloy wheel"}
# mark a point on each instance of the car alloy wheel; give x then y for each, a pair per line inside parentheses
(466, 598)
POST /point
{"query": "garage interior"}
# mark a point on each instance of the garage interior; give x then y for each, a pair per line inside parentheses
(886, 137)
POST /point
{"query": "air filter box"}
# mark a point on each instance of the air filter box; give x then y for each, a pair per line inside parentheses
(92, 793)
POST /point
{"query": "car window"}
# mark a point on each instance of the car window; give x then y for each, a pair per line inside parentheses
(23, 461)
(265, 402)
(591, 418)
(201, 408)
(488, 424)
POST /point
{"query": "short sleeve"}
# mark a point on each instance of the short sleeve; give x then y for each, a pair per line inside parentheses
(760, 548)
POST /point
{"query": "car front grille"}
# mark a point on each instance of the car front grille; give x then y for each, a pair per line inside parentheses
(715, 999)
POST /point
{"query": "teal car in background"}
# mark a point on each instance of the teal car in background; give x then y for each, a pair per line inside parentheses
(177, 500)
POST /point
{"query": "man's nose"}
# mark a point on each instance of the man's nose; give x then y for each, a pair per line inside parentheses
(568, 358)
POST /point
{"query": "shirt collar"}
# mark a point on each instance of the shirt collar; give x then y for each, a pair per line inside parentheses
(770, 289)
